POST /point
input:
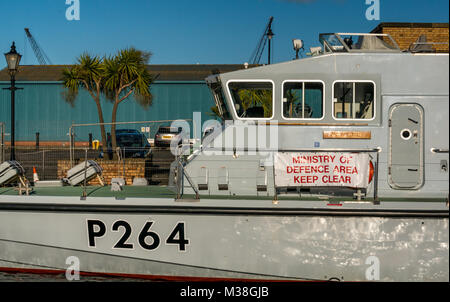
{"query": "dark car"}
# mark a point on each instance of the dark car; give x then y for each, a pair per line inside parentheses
(165, 135)
(122, 131)
(132, 143)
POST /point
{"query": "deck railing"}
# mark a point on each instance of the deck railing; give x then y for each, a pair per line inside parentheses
(182, 172)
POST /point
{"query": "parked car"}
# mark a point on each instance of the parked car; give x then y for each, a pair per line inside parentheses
(165, 135)
(132, 143)
(132, 131)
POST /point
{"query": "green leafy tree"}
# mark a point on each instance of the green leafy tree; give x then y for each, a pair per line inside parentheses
(116, 77)
(88, 74)
(256, 98)
(126, 74)
(292, 99)
(215, 113)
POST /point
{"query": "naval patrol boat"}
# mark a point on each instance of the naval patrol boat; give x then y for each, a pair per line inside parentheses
(329, 167)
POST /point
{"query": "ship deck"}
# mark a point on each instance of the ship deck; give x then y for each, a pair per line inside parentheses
(165, 193)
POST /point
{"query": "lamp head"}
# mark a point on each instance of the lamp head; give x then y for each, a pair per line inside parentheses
(13, 59)
(297, 43)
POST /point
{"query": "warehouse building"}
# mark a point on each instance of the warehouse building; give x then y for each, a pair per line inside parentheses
(178, 91)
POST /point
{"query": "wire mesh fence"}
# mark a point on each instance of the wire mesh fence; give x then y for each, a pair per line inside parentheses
(52, 163)
(134, 140)
(91, 132)
(135, 156)
(2, 142)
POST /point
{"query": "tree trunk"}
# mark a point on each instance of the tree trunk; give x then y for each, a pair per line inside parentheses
(102, 126)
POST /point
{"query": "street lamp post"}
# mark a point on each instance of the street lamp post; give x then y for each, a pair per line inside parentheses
(13, 60)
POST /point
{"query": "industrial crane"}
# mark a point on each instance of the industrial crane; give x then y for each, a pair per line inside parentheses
(266, 36)
(40, 54)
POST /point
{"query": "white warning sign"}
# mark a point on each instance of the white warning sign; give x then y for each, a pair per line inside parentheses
(322, 169)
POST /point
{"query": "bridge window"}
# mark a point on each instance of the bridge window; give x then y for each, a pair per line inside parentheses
(303, 100)
(252, 100)
(353, 100)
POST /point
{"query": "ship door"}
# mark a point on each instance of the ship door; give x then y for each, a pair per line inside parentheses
(406, 146)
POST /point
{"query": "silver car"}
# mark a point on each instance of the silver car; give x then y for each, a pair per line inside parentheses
(165, 135)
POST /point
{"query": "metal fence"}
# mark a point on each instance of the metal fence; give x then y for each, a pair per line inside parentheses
(83, 133)
(2, 142)
(52, 160)
(52, 163)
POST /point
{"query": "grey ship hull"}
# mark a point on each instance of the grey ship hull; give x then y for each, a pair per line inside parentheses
(227, 239)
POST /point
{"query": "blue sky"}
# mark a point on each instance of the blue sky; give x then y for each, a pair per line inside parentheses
(196, 31)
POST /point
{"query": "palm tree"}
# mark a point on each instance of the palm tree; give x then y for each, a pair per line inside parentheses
(125, 74)
(215, 113)
(88, 73)
(257, 98)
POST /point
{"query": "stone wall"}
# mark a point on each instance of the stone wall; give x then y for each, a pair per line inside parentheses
(111, 169)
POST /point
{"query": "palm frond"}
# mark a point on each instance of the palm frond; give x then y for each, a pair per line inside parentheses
(127, 72)
(71, 83)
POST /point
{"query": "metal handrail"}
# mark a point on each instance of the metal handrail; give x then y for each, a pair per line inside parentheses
(345, 46)
(245, 149)
(376, 150)
(438, 150)
(181, 173)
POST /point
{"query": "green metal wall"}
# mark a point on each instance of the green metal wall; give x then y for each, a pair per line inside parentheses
(41, 108)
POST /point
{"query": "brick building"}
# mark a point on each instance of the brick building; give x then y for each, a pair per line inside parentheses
(406, 33)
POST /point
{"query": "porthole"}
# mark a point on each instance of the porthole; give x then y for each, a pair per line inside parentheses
(405, 134)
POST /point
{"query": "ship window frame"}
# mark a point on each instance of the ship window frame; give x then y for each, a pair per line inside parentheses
(304, 81)
(230, 96)
(355, 81)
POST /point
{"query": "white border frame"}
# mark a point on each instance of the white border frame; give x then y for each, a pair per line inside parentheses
(323, 100)
(375, 100)
(252, 81)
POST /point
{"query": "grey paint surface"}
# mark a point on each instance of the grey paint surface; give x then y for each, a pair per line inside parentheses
(258, 245)
(397, 80)
(231, 246)
(406, 146)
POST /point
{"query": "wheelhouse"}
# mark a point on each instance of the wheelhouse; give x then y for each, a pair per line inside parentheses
(360, 94)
